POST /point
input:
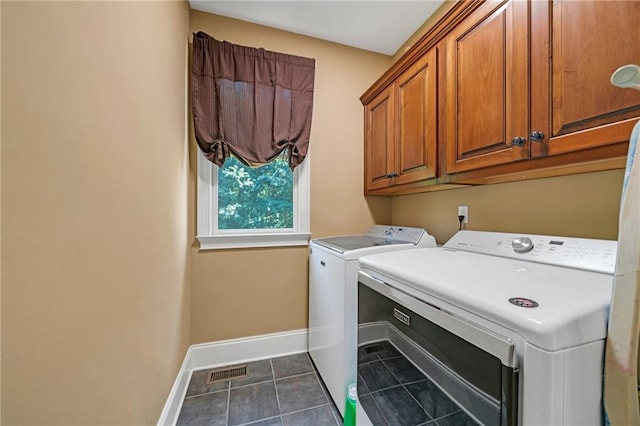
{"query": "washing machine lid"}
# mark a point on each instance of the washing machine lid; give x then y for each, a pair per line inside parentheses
(344, 243)
(551, 306)
(377, 236)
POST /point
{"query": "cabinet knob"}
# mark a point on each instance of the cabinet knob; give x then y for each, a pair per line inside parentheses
(536, 136)
(392, 175)
(518, 141)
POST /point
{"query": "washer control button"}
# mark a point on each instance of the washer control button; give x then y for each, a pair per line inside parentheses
(522, 245)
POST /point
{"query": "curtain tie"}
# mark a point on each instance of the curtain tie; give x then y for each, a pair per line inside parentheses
(218, 152)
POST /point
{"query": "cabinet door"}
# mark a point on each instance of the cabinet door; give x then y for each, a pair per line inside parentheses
(416, 122)
(487, 87)
(576, 46)
(379, 140)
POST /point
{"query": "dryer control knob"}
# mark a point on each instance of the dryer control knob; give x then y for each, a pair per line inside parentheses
(522, 245)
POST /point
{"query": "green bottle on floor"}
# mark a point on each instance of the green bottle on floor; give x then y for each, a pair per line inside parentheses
(350, 409)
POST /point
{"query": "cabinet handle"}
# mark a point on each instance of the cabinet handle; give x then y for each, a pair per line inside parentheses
(536, 136)
(518, 141)
(392, 175)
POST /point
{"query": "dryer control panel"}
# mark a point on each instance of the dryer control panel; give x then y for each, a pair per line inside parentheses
(415, 236)
(579, 253)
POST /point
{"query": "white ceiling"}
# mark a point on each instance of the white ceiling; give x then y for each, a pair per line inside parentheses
(379, 26)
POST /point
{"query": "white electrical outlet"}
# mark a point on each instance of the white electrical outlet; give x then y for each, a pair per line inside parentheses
(464, 211)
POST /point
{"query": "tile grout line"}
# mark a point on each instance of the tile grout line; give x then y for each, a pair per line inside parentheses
(253, 422)
(296, 375)
(380, 410)
(308, 408)
(325, 392)
(323, 388)
(371, 393)
(327, 396)
(400, 384)
(226, 421)
(252, 384)
(449, 415)
(388, 387)
(328, 402)
(359, 379)
(409, 383)
(418, 402)
(459, 410)
(206, 393)
(273, 373)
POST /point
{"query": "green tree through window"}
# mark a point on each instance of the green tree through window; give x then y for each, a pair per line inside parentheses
(255, 198)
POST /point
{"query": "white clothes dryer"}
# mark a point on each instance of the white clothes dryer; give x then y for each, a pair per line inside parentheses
(504, 329)
(333, 300)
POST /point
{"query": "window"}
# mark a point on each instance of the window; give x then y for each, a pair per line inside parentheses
(243, 207)
(255, 104)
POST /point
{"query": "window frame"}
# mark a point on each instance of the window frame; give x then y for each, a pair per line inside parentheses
(211, 238)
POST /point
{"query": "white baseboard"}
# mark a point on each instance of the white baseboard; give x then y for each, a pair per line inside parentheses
(225, 352)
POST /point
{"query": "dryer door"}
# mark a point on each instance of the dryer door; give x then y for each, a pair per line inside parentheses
(419, 363)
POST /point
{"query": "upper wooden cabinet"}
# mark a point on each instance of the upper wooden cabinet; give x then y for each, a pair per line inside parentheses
(487, 87)
(510, 98)
(401, 128)
(576, 46)
(523, 89)
(379, 140)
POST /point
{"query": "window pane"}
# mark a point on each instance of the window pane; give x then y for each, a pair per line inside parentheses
(260, 198)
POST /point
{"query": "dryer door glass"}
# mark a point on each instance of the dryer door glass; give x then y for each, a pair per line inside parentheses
(412, 368)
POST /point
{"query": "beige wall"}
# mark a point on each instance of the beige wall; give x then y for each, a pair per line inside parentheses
(265, 291)
(95, 295)
(584, 205)
(0, 214)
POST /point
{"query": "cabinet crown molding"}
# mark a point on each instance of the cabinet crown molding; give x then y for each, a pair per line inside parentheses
(458, 11)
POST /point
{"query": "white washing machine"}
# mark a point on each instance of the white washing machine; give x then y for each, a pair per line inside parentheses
(333, 280)
(503, 329)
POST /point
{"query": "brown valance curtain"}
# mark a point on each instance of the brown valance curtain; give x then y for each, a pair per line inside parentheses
(250, 102)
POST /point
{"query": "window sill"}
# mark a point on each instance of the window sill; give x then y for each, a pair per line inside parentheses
(214, 242)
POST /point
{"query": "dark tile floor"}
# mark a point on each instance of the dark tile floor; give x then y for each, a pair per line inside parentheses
(277, 391)
(394, 392)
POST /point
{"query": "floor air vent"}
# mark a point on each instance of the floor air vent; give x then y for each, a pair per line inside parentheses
(226, 373)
